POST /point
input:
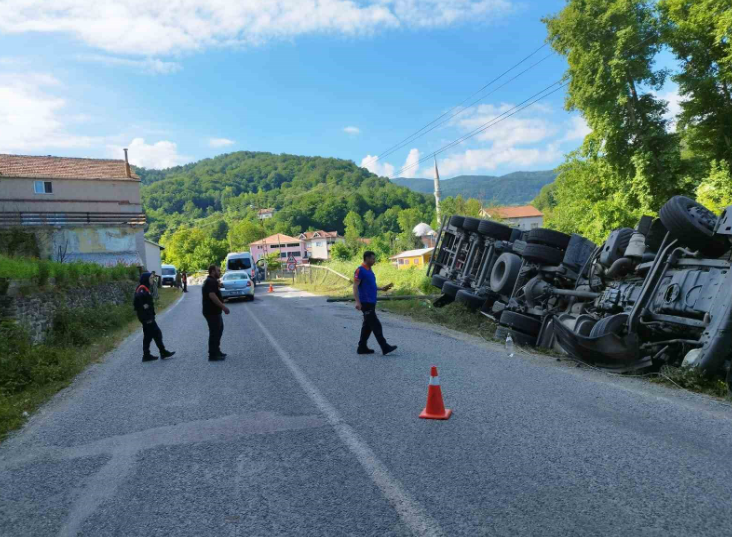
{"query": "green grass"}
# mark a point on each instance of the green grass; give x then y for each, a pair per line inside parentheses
(40, 271)
(32, 374)
(454, 316)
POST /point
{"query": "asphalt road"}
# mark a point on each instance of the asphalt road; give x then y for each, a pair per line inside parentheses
(295, 434)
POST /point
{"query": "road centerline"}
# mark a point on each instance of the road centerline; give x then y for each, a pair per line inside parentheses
(409, 510)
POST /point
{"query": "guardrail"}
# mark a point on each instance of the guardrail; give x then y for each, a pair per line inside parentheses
(48, 218)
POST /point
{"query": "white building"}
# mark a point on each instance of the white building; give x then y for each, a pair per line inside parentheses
(264, 214)
(524, 217)
(319, 243)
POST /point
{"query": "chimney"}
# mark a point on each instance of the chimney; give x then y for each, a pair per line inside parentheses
(127, 165)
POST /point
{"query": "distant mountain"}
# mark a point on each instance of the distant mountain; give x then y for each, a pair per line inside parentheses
(511, 189)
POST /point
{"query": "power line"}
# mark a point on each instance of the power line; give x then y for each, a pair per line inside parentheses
(485, 126)
(417, 134)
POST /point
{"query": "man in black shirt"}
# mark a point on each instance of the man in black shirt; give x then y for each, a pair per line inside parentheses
(145, 309)
(213, 305)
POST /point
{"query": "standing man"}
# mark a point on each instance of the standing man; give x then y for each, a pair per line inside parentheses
(213, 305)
(364, 291)
(184, 279)
(145, 309)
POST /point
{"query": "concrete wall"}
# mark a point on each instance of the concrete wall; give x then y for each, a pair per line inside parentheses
(106, 245)
(71, 195)
(36, 310)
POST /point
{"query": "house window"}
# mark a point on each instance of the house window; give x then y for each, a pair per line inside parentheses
(401, 261)
(296, 254)
(283, 255)
(534, 225)
(43, 187)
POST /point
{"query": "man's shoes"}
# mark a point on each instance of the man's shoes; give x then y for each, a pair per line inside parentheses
(389, 348)
(223, 354)
(365, 350)
(149, 358)
(167, 354)
(217, 358)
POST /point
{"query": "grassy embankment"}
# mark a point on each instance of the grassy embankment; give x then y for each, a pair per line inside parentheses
(32, 374)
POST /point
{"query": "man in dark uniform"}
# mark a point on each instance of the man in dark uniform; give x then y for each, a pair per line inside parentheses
(213, 305)
(145, 309)
(364, 291)
(184, 279)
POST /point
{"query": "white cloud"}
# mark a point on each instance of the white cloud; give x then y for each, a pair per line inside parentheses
(352, 130)
(578, 129)
(155, 27)
(32, 117)
(148, 65)
(220, 142)
(413, 163)
(674, 101)
(162, 154)
(506, 131)
(475, 160)
(380, 168)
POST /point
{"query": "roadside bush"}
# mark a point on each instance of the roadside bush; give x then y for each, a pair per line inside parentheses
(79, 327)
(44, 271)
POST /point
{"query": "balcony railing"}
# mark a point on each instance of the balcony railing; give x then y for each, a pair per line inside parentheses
(23, 219)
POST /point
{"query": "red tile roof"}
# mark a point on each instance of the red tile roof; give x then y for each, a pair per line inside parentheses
(276, 239)
(525, 211)
(63, 168)
(322, 234)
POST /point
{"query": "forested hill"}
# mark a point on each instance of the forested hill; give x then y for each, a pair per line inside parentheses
(512, 189)
(308, 193)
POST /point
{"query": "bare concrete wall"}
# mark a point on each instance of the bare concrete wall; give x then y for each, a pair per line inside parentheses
(71, 195)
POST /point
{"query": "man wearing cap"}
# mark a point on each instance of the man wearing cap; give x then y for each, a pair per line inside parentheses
(145, 309)
(364, 291)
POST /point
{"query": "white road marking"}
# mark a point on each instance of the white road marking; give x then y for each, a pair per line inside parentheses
(408, 509)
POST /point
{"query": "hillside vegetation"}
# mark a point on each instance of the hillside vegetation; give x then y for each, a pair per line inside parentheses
(516, 188)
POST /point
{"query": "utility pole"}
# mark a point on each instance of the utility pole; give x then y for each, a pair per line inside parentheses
(437, 192)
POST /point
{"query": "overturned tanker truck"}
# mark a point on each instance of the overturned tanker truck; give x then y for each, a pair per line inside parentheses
(659, 293)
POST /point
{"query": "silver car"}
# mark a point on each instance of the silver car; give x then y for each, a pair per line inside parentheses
(237, 284)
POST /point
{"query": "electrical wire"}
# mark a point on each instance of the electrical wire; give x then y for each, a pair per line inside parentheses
(417, 134)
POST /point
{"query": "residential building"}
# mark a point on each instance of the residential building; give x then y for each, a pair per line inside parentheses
(524, 217)
(319, 243)
(78, 208)
(413, 258)
(264, 214)
(284, 245)
(153, 257)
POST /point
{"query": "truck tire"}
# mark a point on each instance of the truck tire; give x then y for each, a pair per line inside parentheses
(451, 289)
(609, 325)
(548, 237)
(505, 271)
(494, 230)
(523, 323)
(438, 281)
(470, 224)
(470, 299)
(692, 224)
(543, 255)
(456, 221)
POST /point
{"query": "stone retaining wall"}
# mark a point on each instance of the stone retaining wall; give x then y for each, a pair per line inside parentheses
(36, 309)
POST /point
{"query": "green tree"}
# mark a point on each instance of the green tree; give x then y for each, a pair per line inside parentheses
(354, 226)
(243, 233)
(699, 33)
(610, 46)
(341, 252)
(715, 191)
(408, 218)
(369, 221)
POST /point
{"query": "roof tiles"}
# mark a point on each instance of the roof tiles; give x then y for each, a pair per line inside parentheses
(63, 168)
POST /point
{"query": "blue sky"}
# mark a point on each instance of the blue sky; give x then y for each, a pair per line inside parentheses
(184, 80)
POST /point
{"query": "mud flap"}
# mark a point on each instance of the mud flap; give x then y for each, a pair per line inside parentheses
(610, 351)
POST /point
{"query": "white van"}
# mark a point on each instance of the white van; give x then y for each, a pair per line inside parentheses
(168, 275)
(241, 261)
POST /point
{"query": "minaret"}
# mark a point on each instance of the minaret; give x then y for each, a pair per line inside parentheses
(437, 192)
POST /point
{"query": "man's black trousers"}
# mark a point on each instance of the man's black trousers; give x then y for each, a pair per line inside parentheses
(215, 331)
(151, 331)
(371, 324)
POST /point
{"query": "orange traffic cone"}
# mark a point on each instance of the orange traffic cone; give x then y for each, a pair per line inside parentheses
(271, 289)
(435, 409)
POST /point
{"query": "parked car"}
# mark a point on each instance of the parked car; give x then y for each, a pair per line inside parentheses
(237, 284)
(168, 275)
(236, 261)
